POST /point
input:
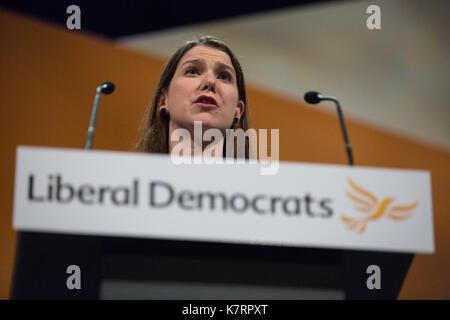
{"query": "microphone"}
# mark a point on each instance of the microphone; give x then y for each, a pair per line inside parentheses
(313, 97)
(106, 88)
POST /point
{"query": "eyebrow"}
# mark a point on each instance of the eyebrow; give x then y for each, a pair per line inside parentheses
(223, 65)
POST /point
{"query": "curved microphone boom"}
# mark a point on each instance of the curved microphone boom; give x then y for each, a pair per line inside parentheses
(106, 88)
(314, 97)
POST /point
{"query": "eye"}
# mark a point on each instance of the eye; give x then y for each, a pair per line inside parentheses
(225, 76)
(192, 70)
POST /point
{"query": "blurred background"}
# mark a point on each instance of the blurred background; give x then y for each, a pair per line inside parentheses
(393, 84)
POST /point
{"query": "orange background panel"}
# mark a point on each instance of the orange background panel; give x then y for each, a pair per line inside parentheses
(47, 85)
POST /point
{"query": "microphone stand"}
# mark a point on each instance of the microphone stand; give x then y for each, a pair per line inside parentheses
(93, 117)
(106, 88)
(348, 147)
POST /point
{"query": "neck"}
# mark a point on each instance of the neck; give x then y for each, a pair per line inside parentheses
(189, 142)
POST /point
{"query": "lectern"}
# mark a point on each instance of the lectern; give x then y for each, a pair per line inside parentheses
(112, 225)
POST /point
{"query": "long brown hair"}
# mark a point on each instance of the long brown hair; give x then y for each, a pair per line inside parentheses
(154, 129)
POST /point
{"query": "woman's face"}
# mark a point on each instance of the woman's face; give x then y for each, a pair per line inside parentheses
(203, 88)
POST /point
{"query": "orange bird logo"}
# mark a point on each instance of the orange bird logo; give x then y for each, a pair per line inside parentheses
(373, 209)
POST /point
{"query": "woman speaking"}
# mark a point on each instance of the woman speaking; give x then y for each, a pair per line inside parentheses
(202, 81)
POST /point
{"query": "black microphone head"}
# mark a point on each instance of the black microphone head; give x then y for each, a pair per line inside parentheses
(108, 87)
(312, 97)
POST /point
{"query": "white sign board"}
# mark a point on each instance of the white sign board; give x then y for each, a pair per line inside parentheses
(144, 195)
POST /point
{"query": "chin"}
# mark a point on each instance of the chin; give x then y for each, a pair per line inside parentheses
(209, 122)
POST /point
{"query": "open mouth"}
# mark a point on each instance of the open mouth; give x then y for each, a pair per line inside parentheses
(206, 101)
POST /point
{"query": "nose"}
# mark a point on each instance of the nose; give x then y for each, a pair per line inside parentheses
(209, 82)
